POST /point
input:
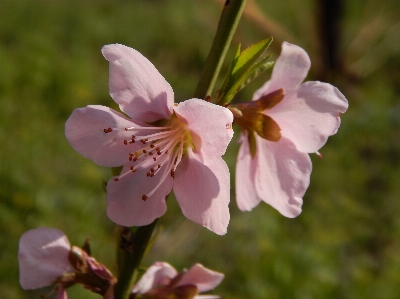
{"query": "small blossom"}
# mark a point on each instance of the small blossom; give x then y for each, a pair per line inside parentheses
(161, 280)
(286, 120)
(162, 146)
(46, 257)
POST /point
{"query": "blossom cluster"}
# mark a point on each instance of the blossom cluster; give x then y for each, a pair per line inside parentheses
(46, 257)
(166, 147)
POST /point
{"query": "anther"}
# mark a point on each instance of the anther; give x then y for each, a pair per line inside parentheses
(125, 142)
(144, 197)
(152, 170)
(148, 173)
(152, 145)
(144, 151)
(154, 158)
(116, 179)
(172, 173)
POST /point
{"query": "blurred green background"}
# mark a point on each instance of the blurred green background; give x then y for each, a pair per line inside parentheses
(345, 244)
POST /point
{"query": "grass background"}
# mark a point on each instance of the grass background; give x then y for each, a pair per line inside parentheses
(345, 244)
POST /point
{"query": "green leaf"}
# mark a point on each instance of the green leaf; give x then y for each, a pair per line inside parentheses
(229, 72)
(258, 69)
(246, 66)
(249, 57)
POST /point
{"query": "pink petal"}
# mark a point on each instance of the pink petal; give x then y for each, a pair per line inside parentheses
(157, 274)
(210, 126)
(283, 175)
(85, 132)
(136, 85)
(246, 168)
(309, 117)
(204, 279)
(203, 192)
(43, 257)
(289, 71)
(124, 197)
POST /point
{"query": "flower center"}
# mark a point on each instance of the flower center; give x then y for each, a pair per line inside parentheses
(160, 147)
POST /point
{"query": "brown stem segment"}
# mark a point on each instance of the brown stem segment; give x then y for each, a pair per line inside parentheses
(132, 247)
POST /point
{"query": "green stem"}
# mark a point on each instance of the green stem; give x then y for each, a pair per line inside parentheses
(227, 25)
(131, 251)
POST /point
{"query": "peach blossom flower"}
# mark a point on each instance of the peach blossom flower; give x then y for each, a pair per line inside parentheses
(161, 145)
(161, 280)
(296, 119)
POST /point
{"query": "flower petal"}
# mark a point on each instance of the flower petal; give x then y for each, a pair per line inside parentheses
(203, 192)
(84, 130)
(246, 167)
(43, 257)
(124, 197)
(289, 71)
(157, 274)
(136, 85)
(309, 117)
(204, 279)
(283, 175)
(210, 125)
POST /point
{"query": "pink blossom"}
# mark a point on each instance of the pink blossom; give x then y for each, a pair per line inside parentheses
(279, 172)
(161, 280)
(46, 257)
(161, 145)
(43, 257)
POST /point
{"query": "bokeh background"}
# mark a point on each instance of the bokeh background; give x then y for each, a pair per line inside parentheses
(345, 244)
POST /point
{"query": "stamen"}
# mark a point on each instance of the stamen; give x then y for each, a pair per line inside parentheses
(108, 130)
(171, 140)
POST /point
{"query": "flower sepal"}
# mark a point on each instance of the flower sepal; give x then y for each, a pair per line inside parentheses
(93, 275)
(251, 117)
